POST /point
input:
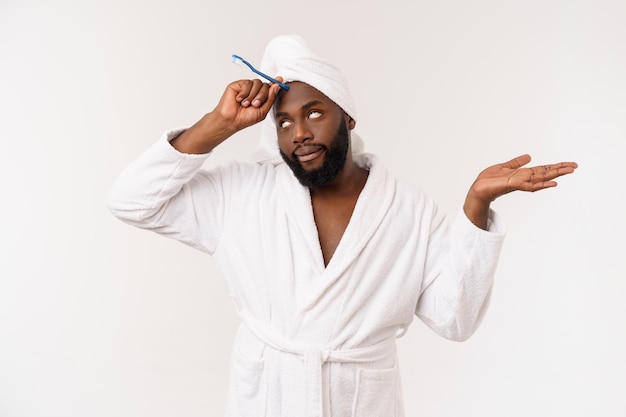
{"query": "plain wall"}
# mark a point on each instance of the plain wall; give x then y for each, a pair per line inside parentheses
(101, 319)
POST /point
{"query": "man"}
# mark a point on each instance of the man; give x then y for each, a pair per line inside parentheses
(326, 255)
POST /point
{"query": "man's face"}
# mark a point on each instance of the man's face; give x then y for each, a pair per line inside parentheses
(312, 134)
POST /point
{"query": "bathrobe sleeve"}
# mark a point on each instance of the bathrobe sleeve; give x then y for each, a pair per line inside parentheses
(166, 191)
(459, 273)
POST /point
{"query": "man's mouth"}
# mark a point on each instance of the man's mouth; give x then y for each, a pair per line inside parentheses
(308, 152)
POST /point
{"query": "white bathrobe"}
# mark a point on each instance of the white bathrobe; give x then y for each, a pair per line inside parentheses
(316, 340)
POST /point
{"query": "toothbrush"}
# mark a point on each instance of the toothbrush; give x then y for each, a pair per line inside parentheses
(236, 58)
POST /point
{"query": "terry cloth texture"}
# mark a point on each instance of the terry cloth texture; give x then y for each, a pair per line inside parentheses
(316, 339)
(290, 57)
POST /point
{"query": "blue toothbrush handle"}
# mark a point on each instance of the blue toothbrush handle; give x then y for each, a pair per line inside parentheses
(256, 71)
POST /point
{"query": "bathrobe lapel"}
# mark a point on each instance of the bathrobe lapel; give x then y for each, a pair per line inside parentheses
(370, 210)
(299, 212)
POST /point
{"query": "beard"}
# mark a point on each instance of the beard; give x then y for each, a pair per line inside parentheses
(334, 161)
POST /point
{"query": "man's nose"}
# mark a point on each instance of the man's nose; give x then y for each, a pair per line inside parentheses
(301, 133)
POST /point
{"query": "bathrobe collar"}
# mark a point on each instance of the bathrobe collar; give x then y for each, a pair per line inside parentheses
(372, 205)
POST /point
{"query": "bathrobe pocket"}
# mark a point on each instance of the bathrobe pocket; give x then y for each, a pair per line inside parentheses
(376, 393)
(250, 386)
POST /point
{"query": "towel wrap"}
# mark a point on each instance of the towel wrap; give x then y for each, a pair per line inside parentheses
(290, 57)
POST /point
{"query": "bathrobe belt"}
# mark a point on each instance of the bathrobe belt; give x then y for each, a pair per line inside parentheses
(315, 357)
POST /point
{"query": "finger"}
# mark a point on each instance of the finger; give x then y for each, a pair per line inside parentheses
(518, 161)
(540, 173)
(530, 185)
(243, 89)
(550, 172)
(263, 95)
(272, 92)
(255, 87)
(565, 167)
(279, 78)
(542, 185)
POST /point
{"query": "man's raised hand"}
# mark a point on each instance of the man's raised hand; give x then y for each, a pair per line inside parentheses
(243, 103)
(246, 102)
(501, 179)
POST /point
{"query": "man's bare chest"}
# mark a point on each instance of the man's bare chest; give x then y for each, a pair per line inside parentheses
(331, 220)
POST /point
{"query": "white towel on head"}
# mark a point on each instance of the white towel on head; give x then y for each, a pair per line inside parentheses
(290, 57)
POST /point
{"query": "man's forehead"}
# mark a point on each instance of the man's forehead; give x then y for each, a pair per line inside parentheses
(299, 94)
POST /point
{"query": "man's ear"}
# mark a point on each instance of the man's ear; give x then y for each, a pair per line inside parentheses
(350, 122)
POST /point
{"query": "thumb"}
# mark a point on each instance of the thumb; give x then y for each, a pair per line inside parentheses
(280, 79)
(274, 90)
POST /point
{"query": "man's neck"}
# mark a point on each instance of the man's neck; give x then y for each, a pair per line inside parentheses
(349, 182)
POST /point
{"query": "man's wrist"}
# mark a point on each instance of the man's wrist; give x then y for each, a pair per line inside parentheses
(477, 210)
(204, 136)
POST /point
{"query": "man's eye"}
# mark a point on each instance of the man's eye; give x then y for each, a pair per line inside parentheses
(314, 114)
(284, 124)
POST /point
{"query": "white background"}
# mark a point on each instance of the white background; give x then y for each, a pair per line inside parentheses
(101, 319)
